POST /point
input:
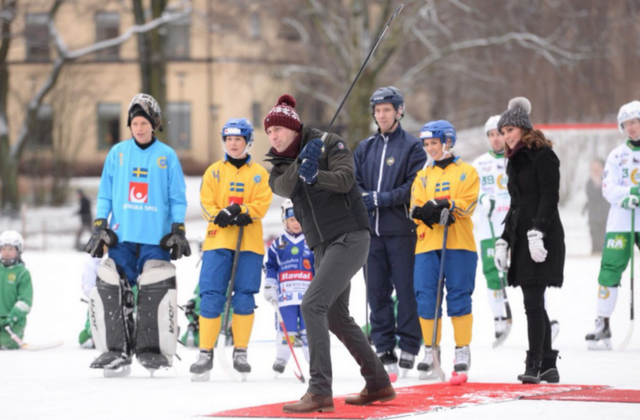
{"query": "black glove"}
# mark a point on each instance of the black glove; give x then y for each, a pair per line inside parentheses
(101, 236)
(312, 151)
(430, 212)
(176, 241)
(438, 218)
(242, 219)
(189, 307)
(226, 215)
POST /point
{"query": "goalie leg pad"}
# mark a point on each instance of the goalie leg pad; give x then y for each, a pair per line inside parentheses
(111, 310)
(157, 330)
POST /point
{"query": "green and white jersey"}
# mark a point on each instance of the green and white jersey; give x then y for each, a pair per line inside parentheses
(16, 291)
(491, 169)
(621, 173)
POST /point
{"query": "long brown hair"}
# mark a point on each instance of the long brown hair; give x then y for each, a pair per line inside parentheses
(533, 139)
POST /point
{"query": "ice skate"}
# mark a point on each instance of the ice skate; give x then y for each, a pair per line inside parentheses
(114, 364)
(153, 361)
(278, 366)
(426, 367)
(600, 337)
(240, 362)
(406, 363)
(390, 362)
(201, 369)
(555, 329)
(502, 330)
(462, 362)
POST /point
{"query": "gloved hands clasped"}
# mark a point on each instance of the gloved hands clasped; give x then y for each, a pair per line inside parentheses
(176, 242)
(374, 199)
(232, 216)
(432, 213)
(308, 170)
(100, 237)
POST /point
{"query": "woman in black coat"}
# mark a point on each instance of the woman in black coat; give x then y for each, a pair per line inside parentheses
(533, 232)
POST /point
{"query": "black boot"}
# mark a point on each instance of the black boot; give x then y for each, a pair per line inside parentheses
(532, 371)
(548, 370)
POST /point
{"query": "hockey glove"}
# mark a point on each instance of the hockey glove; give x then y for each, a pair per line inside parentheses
(6, 321)
(500, 257)
(226, 215)
(370, 200)
(308, 171)
(488, 205)
(629, 202)
(101, 236)
(176, 241)
(271, 293)
(242, 219)
(536, 246)
(312, 151)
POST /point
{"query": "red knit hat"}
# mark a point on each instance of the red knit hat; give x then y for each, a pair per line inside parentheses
(283, 114)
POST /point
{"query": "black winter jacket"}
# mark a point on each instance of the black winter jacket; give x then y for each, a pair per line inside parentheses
(389, 164)
(534, 185)
(331, 207)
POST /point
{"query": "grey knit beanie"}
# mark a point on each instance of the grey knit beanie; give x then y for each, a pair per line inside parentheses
(517, 114)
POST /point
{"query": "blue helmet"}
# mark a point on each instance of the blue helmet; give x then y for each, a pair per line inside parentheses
(238, 127)
(441, 129)
(387, 95)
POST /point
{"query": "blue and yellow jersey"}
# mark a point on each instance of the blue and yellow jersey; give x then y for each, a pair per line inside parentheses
(143, 190)
(459, 183)
(223, 185)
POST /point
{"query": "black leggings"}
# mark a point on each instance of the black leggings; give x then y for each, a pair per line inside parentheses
(538, 327)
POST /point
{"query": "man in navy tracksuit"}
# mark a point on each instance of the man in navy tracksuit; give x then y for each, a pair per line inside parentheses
(386, 165)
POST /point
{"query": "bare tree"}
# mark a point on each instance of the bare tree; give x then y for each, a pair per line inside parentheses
(10, 154)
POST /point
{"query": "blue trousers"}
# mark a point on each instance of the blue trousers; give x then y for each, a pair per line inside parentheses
(214, 281)
(390, 266)
(131, 256)
(459, 281)
(292, 317)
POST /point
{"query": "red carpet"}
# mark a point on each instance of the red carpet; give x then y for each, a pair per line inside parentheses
(593, 395)
(415, 399)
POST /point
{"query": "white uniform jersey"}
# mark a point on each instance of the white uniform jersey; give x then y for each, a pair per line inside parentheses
(492, 169)
(621, 172)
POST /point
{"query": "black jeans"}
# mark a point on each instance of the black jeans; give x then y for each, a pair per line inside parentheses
(325, 307)
(538, 326)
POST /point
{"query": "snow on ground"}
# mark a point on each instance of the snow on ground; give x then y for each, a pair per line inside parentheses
(57, 383)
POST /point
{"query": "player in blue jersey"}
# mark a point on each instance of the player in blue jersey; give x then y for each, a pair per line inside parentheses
(289, 270)
(142, 189)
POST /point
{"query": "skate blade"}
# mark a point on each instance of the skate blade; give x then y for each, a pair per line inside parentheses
(602, 345)
(428, 374)
(120, 372)
(201, 377)
(244, 377)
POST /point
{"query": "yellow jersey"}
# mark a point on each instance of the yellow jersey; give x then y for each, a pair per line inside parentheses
(459, 183)
(223, 185)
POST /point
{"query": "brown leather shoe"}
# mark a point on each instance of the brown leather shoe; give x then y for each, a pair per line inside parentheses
(366, 397)
(310, 403)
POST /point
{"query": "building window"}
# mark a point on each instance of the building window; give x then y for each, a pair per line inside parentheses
(37, 36)
(107, 27)
(256, 114)
(177, 45)
(108, 125)
(42, 136)
(179, 125)
(254, 24)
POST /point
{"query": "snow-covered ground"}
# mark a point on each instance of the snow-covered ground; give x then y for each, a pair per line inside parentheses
(57, 383)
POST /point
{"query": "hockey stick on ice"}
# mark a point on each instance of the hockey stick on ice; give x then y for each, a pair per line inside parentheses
(627, 339)
(298, 374)
(507, 307)
(444, 216)
(220, 347)
(31, 347)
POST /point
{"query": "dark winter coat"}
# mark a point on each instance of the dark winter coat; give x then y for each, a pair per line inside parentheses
(389, 164)
(333, 205)
(534, 185)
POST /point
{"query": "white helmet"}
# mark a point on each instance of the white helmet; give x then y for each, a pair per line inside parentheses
(287, 209)
(491, 124)
(11, 238)
(628, 112)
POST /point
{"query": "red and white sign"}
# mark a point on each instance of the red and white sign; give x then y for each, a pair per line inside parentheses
(138, 192)
(295, 275)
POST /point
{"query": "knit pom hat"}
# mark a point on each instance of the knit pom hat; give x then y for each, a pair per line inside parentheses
(283, 114)
(517, 114)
